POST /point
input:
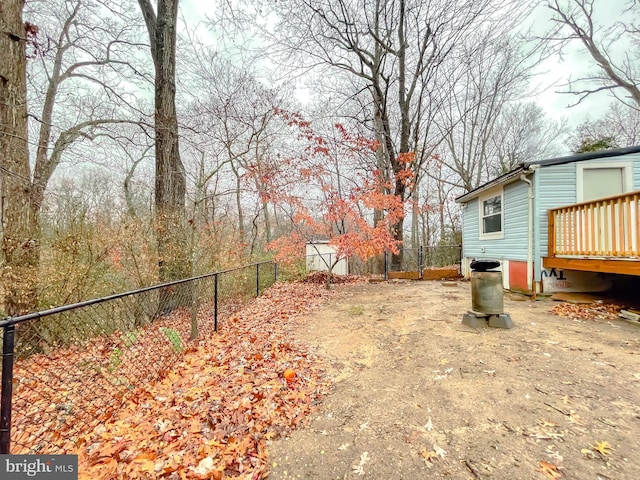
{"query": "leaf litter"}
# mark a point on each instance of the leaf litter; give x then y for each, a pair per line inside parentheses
(213, 413)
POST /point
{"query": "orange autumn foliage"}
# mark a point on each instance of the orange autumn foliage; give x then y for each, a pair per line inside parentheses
(338, 211)
(209, 417)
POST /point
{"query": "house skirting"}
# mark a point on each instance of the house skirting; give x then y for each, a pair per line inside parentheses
(553, 279)
(514, 273)
(518, 276)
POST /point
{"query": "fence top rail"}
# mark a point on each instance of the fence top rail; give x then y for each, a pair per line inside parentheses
(7, 321)
(597, 200)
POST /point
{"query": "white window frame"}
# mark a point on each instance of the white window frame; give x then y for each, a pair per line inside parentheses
(627, 173)
(493, 235)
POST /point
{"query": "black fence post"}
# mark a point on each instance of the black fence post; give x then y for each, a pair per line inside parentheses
(386, 266)
(215, 302)
(420, 261)
(8, 346)
(257, 279)
(460, 259)
(275, 272)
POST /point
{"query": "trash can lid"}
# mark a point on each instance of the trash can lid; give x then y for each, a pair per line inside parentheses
(484, 265)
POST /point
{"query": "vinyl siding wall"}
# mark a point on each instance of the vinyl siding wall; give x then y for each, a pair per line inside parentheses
(555, 187)
(635, 158)
(514, 245)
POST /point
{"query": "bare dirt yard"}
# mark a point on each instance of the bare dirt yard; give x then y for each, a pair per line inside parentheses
(418, 395)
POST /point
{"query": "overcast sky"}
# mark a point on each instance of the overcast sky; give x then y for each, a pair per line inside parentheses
(555, 72)
(575, 62)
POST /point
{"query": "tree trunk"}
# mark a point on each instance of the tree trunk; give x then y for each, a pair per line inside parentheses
(415, 217)
(242, 233)
(170, 181)
(267, 223)
(20, 241)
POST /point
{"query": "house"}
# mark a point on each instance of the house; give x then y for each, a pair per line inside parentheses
(560, 224)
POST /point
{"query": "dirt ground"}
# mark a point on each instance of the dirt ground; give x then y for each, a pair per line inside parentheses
(418, 395)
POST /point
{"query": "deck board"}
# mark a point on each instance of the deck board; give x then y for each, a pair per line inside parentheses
(618, 265)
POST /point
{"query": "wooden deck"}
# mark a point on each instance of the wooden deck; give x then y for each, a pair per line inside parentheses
(602, 235)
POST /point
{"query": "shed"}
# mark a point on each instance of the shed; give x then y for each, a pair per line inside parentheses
(321, 254)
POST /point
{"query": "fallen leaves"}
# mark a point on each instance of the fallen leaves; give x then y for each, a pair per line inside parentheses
(588, 311)
(320, 278)
(358, 469)
(434, 454)
(549, 470)
(603, 448)
(210, 415)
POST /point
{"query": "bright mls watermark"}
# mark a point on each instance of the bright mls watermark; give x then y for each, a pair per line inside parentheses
(50, 467)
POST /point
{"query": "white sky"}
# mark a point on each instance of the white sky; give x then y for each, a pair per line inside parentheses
(555, 71)
(576, 62)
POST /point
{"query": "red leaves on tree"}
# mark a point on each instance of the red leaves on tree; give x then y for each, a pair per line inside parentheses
(333, 209)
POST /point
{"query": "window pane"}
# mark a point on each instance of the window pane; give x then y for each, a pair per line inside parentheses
(492, 206)
(602, 182)
(492, 223)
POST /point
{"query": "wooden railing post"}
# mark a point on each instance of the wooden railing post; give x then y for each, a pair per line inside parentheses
(552, 234)
(605, 227)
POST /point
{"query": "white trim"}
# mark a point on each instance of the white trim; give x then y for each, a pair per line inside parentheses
(627, 172)
(505, 275)
(493, 235)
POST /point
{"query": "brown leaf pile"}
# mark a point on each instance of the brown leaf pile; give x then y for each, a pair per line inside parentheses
(64, 392)
(588, 311)
(213, 412)
(320, 278)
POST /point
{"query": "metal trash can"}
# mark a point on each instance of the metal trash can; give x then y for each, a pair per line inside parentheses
(487, 296)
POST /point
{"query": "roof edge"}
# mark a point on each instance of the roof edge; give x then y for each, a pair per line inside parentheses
(579, 157)
(501, 180)
(524, 167)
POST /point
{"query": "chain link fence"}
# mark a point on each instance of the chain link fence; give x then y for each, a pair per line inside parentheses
(67, 369)
(442, 255)
(411, 260)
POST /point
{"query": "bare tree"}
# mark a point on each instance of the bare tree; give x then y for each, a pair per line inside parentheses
(391, 55)
(233, 132)
(19, 228)
(74, 92)
(524, 132)
(618, 72)
(170, 177)
(497, 71)
(620, 124)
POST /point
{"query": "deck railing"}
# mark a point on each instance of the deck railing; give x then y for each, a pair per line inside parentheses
(607, 227)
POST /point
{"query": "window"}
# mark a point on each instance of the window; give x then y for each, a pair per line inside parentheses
(491, 216)
(602, 179)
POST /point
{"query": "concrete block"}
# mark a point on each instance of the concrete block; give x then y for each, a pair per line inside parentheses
(474, 321)
(501, 321)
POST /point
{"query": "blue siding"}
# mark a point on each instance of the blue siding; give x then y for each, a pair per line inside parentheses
(470, 242)
(514, 245)
(635, 158)
(516, 223)
(555, 187)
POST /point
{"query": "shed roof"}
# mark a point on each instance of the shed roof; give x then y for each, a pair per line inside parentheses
(523, 167)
